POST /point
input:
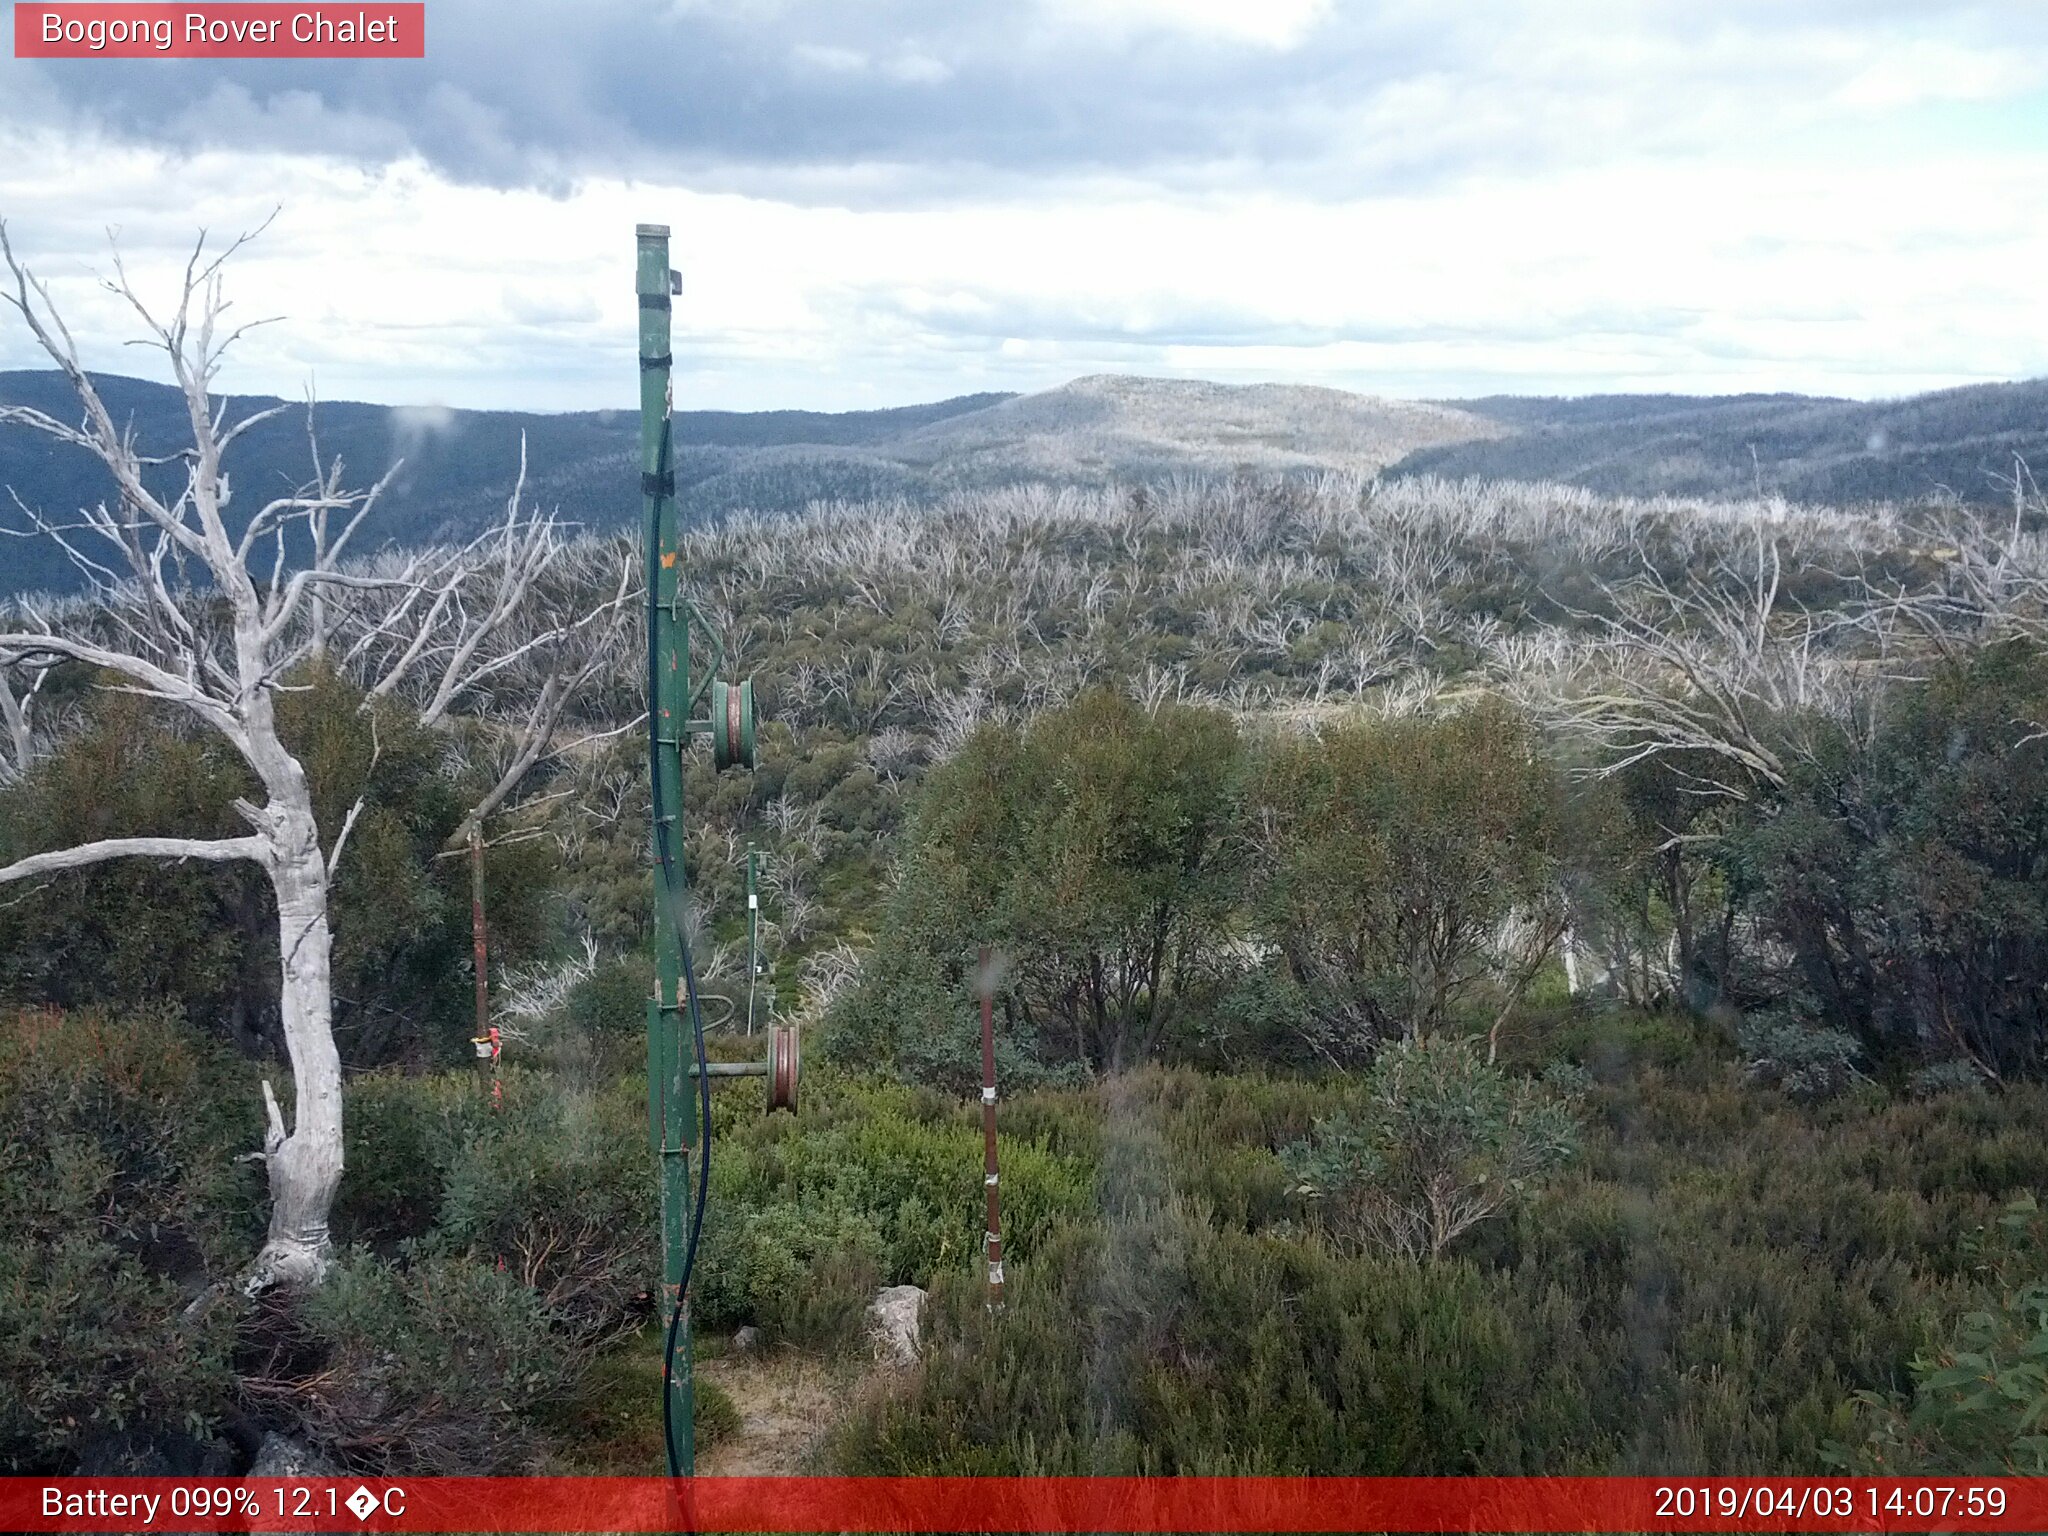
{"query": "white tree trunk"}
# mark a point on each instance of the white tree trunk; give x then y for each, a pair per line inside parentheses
(21, 742)
(304, 1163)
(305, 1166)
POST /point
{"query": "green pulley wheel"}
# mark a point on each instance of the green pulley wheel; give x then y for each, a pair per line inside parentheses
(732, 724)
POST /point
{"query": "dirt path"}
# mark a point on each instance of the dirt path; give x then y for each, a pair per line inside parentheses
(788, 1404)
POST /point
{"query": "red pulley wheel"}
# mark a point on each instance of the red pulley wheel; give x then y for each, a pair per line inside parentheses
(782, 1068)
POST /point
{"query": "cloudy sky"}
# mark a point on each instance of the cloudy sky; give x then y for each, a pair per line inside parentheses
(883, 201)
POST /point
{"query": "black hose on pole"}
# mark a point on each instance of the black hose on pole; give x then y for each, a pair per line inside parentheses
(666, 856)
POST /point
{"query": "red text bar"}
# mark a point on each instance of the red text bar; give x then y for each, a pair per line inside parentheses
(1051, 1504)
(212, 30)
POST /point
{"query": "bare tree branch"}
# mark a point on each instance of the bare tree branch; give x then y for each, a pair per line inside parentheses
(215, 850)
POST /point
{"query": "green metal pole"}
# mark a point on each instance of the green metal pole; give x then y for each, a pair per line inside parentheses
(672, 1107)
(753, 935)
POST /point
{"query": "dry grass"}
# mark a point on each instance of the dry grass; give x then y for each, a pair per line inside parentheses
(789, 1403)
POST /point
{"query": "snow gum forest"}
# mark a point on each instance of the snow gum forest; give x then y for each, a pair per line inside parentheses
(1494, 977)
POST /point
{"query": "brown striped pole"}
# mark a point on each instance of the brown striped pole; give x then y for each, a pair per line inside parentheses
(994, 1236)
(486, 1040)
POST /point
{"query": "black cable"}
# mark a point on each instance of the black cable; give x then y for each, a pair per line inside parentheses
(675, 1316)
(666, 857)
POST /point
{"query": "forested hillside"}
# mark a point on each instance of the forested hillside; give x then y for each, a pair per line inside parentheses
(1178, 945)
(1956, 442)
(1094, 432)
(1666, 876)
(456, 466)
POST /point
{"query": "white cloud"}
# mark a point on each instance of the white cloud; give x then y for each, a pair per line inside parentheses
(1910, 72)
(399, 286)
(1268, 23)
(918, 69)
(1631, 203)
(908, 67)
(838, 61)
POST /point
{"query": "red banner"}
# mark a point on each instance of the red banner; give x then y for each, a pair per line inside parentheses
(1101, 1504)
(211, 30)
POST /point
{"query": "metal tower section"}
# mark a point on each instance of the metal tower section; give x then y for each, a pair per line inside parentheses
(678, 1073)
(672, 1103)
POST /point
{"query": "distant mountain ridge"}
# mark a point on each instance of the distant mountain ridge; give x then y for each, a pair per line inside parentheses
(459, 465)
(1123, 427)
(1806, 448)
(1105, 429)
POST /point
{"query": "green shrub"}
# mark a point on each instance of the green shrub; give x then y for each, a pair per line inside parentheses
(1616, 1045)
(1162, 1345)
(119, 1200)
(1805, 1061)
(92, 1344)
(1442, 1143)
(905, 1163)
(612, 999)
(803, 1273)
(130, 933)
(914, 1014)
(1979, 1403)
(1707, 1285)
(1094, 843)
(1946, 1077)
(133, 933)
(440, 1367)
(872, 1183)
(1903, 870)
(402, 1133)
(557, 1184)
(715, 1414)
(1390, 854)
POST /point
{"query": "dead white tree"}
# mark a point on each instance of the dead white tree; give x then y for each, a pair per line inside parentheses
(1712, 669)
(17, 711)
(183, 611)
(506, 626)
(1726, 684)
(1991, 577)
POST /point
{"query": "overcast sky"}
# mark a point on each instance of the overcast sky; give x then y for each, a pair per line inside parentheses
(883, 201)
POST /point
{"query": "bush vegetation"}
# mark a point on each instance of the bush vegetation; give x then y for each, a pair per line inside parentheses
(135, 932)
(1441, 1143)
(1980, 1388)
(1709, 1284)
(1395, 1078)
(118, 1191)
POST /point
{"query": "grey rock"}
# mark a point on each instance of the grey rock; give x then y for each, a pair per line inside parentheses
(281, 1456)
(894, 1321)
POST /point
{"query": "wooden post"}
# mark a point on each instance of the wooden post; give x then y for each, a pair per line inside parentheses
(993, 1238)
(486, 1041)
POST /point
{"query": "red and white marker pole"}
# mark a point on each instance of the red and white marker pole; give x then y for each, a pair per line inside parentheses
(993, 1238)
(486, 1040)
